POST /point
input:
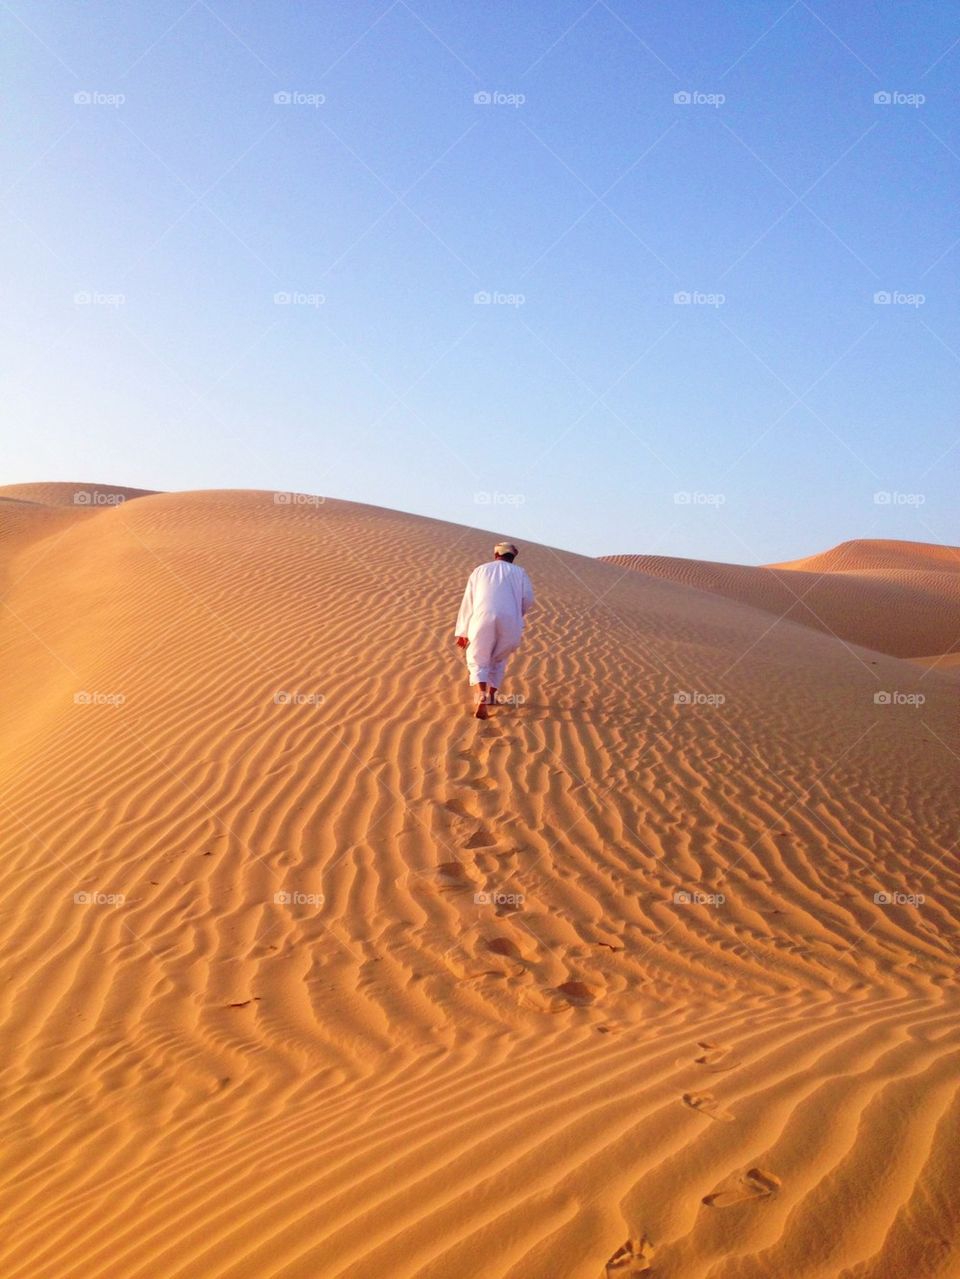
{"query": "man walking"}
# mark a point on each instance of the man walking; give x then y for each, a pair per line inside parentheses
(490, 621)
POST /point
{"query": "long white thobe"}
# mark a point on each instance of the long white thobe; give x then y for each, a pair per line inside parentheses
(497, 597)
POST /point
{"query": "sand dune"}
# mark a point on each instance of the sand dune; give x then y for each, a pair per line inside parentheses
(308, 973)
(901, 598)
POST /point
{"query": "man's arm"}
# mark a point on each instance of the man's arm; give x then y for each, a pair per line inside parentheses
(528, 601)
(463, 617)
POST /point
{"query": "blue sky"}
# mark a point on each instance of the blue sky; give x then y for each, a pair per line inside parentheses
(160, 205)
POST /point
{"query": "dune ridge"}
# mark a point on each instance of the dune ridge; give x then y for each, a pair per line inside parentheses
(633, 978)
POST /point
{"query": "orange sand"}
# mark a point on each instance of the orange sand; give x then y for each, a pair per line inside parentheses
(600, 987)
(901, 598)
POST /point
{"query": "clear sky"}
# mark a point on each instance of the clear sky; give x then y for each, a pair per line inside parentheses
(157, 199)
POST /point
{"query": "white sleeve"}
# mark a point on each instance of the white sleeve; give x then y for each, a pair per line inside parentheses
(528, 600)
(466, 608)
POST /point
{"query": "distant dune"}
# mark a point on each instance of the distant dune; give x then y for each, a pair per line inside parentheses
(307, 973)
(901, 598)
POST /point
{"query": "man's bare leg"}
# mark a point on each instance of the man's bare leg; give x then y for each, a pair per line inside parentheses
(481, 711)
(493, 696)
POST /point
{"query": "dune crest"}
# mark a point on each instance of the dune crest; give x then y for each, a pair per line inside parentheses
(308, 973)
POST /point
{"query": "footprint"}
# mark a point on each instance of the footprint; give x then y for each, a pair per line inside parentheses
(545, 1001)
(755, 1183)
(481, 838)
(496, 973)
(504, 946)
(632, 1259)
(454, 806)
(452, 877)
(577, 992)
(715, 1057)
(508, 907)
(708, 1105)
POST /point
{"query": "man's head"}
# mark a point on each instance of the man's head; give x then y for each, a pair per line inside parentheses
(505, 551)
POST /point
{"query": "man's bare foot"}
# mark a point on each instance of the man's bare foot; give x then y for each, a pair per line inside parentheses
(481, 711)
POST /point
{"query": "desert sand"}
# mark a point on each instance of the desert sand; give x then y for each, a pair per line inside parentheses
(849, 592)
(307, 973)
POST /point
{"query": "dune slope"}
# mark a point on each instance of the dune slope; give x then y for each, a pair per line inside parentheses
(306, 973)
(901, 598)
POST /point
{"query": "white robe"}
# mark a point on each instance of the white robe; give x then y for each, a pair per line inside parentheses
(491, 615)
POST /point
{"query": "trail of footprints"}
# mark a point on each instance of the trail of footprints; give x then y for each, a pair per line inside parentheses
(753, 1185)
(493, 857)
